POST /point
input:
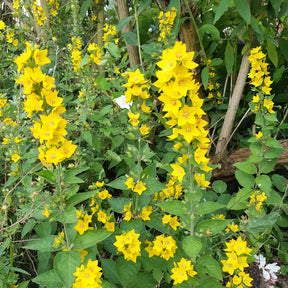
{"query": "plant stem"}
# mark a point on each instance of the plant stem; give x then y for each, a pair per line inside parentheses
(138, 34)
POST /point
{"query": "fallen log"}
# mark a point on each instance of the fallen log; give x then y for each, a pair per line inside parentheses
(226, 168)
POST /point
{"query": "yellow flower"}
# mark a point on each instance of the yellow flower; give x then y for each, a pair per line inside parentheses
(269, 105)
(2, 25)
(104, 194)
(110, 226)
(134, 119)
(145, 213)
(139, 188)
(46, 212)
(7, 121)
(40, 57)
(259, 135)
(15, 157)
(178, 171)
(129, 183)
(144, 130)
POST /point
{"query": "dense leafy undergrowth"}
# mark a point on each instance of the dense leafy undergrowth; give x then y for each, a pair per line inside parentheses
(105, 168)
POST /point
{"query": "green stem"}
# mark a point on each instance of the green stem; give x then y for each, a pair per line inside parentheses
(191, 190)
(138, 34)
(11, 252)
(66, 236)
(197, 31)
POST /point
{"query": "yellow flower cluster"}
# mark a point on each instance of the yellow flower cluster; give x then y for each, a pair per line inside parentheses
(261, 80)
(16, 4)
(76, 57)
(162, 246)
(257, 199)
(83, 222)
(172, 190)
(179, 94)
(213, 86)
(2, 25)
(50, 130)
(181, 271)
(172, 221)
(166, 22)
(95, 53)
(129, 245)
(110, 32)
(54, 7)
(236, 263)
(39, 13)
(88, 276)
(138, 188)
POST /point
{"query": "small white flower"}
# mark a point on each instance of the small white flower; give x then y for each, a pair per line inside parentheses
(121, 101)
(269, 270)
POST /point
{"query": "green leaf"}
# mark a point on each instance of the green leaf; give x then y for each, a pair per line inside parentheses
(283, 44)
(28, 227)
(219, 186)
(279, 182)
(75, 171)
(276, 6)
(102, 83)
(153, 185)
(267, 165)
(113, 156)
(143, 5)
(84, 60)
(247, 167)
(69, 216)
(256, 148)
(213, 226)
(264, 183)
(109, 270)
(48, 175)
(117, 204)
(43, 244)
(23, 284)
(274, 199)
(222, 7)
(130, 38)
(150, 48)
(156, 223)
(244, 179)
(113, 49)
(211, 266)
(80, 197)
(259, 225)
(272, 53)
(143, 279)
(208, 207)
(211, 30)
(229, 58)
(273, 153)
(283, 221)
(209, 282)
(87, 136)
(48, 278)
(124, 22)
(257, 28)
(277, 76)
(65, 264)
(90, 238)
(174, 207)
(127, 270)
(192, 246)
(243, 9)
(119, 183)
(239, 202)
(84, 8)
(205, 76)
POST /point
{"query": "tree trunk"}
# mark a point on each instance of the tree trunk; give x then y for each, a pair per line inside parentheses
(132, 50)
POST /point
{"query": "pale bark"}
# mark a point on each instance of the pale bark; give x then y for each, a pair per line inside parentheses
(232, 108)
(132, 50)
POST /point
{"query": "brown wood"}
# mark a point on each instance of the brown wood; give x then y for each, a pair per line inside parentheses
(123, 11)
(226, 168)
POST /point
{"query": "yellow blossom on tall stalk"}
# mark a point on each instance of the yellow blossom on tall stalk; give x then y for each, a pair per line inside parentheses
(39, 13)
(166, 22)
(179, 95)
(182, 270)
(109, 33)
(261, 80)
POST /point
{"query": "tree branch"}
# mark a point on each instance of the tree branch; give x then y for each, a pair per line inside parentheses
(232, 108)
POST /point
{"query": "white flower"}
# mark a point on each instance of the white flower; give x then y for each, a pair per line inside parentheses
(269, 270)
(121, 101)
